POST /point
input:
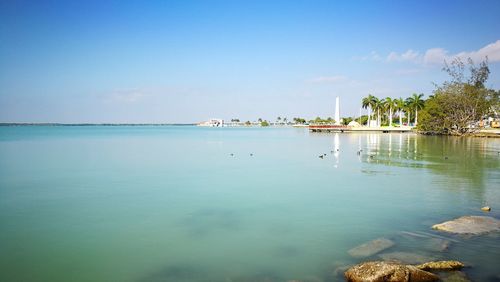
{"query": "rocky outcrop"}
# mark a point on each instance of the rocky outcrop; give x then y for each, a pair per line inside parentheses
(473, 225)
(378, 271)
(371, 248)
(441, 265)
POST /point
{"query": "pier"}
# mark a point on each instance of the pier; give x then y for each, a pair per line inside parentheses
(343, 128)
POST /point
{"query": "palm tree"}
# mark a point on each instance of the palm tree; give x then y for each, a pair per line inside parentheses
(367, 103)
(389, 104)
(399, 106)
(408, 109)
(285, 120)
(418, 104)
(278, 119)
(377, 106)
(415, 102)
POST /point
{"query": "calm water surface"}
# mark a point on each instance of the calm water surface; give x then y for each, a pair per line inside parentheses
(171, 203)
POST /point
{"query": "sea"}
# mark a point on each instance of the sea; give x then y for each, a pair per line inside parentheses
(186, 203)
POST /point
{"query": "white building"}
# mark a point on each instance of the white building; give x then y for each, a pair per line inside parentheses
(212, 123)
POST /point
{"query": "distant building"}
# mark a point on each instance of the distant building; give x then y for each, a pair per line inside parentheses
(212, 123)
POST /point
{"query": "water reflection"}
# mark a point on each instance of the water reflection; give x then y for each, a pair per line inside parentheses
(464, 161)
(336, 149)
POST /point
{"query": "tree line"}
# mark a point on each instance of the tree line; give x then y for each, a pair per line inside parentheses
(384, 109)
(456, 107)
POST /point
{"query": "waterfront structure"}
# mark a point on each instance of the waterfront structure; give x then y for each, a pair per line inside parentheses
(337, 111)
(212, 123)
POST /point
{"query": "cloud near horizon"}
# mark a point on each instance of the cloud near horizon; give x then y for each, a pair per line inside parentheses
(437, 56)
(329, 79)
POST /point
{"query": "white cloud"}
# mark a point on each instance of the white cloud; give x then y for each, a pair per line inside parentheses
(408, 56)
(374, 56)
(491, 50)
(437, 56)
(329, 79)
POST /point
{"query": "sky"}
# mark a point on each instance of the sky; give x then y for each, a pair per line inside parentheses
(189, 61)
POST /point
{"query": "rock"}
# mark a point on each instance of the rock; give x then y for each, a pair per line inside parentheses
(486, 209)
(454, 276)
(404, 257)
(436, 244)
(379, 271)
(427, 242)
(473, 225)
(370, 248)
(441, 265)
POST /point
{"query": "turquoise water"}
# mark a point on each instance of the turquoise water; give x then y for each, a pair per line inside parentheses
(159, 203)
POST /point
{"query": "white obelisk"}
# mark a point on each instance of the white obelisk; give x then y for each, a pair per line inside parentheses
(337, 111)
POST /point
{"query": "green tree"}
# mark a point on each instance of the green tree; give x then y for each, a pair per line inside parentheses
(408, 110)
(389, 104)
(367, 103)
(298, 120)
(377, 106)
(264, 123)
(457, 105)
(416, 103)
(399, 106)
(346, 120)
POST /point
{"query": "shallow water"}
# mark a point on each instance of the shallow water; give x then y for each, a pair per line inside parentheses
(158, 203)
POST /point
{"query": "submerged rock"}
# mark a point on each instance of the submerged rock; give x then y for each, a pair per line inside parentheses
(474, 225)
(370, 248)
(436, 244)
(441, 265)
(454, 276)
(404, 257)
(429, 242)
(378, 271)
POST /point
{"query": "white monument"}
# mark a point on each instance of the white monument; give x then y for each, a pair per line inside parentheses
(337, 111)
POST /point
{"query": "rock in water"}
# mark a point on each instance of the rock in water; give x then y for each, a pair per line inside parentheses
(436, 245)
(370, 248)
(441, 265)
(474, 225)
(379, 271)
(486, 208)
(455, 276)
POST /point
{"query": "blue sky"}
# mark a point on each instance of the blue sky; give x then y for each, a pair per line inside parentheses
(188, 61)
